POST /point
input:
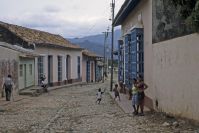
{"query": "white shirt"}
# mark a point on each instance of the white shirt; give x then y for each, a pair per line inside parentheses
(99, 95)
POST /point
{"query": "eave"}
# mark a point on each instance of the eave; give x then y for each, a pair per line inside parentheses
(125, 10)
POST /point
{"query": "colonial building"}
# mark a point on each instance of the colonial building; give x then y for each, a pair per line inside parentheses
(12, 61)
(58, 60)
(91, 67)
(158, 45)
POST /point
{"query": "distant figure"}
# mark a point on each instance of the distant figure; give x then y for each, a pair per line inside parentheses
(121, 87)
(105, 75)
(99, 95)
(116, 91)
(8, 86)
(44, 84)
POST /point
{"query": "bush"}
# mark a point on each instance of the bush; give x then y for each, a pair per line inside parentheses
(189, 10)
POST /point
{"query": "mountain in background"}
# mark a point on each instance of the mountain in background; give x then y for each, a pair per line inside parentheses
(95, 43)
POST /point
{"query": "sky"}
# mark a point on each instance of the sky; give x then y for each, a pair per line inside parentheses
(69, 18)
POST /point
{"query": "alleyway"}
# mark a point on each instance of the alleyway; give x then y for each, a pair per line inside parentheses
(73, 110)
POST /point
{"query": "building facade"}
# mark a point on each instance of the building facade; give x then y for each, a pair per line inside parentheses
(88, 66)
(170, 55)
(58, 59)
(19, 63)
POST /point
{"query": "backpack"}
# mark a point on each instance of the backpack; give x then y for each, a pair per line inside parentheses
(8, 84)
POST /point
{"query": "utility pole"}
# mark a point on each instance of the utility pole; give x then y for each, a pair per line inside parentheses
(104, 56)
(112, 43)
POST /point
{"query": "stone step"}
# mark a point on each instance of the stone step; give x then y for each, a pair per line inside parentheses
(32, 91)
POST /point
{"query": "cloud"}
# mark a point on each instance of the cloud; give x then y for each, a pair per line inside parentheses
(52, 9)
(53, 20)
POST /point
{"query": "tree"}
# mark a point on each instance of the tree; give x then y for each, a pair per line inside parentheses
(189, 10)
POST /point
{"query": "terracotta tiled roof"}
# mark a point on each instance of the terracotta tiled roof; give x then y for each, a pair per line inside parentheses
(24, 52)
(38, 37)
(89, 53)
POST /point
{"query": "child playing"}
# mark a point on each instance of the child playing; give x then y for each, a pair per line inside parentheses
(116, 92)
(99, 95)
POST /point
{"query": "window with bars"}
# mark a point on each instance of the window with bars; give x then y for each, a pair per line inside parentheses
(78, 67)
(59, 68)
(21, 70)
(40, 68)
(30, 69)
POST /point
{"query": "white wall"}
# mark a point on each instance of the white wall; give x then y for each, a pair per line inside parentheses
(145, 9)
(55, 52)
(176, 77)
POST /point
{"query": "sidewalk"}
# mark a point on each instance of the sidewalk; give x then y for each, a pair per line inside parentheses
(17, 98)
(24, 94)
(37, 90)
(125, 104)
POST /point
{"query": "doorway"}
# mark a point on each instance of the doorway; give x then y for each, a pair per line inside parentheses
(68, 67)
(50, 70)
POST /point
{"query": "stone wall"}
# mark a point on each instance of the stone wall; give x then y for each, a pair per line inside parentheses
(167, 22)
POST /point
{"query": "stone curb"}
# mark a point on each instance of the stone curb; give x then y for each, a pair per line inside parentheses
(118, 104)
(35, 93)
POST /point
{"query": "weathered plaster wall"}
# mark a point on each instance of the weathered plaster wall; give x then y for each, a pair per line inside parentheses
(145, 9)
(84, 69)
(176, 77)
(84, 59)
(167, 22)
(8, 65)
(55, 52)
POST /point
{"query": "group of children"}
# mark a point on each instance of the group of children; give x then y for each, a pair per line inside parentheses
(100, 93)
(137, 92)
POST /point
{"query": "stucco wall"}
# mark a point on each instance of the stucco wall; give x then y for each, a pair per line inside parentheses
(84, 69)
(55, 52)
(144, 8)
(8, 65)
(84, 65)
(176, 77)
(26, 79)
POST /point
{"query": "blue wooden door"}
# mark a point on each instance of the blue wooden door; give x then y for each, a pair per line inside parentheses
(134, 55)
(137, 53)
(88, 71)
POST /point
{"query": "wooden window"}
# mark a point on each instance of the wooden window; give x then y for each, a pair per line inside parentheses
(78, 67)
(40, 68)
(21, 70)
(30, 69)
(59, 68)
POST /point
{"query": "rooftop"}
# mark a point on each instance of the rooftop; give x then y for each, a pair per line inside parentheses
(124, 11)
(38, 37)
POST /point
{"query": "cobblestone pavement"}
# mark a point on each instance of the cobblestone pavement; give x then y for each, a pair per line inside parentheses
(73, 110)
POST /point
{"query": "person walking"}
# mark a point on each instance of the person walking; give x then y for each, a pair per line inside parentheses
(8, 86)
(141, 95)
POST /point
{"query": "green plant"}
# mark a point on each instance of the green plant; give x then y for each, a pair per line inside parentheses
(189, 10)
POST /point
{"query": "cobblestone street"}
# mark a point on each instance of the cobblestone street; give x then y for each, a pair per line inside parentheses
(73, 110)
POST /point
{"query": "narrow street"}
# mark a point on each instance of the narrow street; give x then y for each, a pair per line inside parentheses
(73, 110)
